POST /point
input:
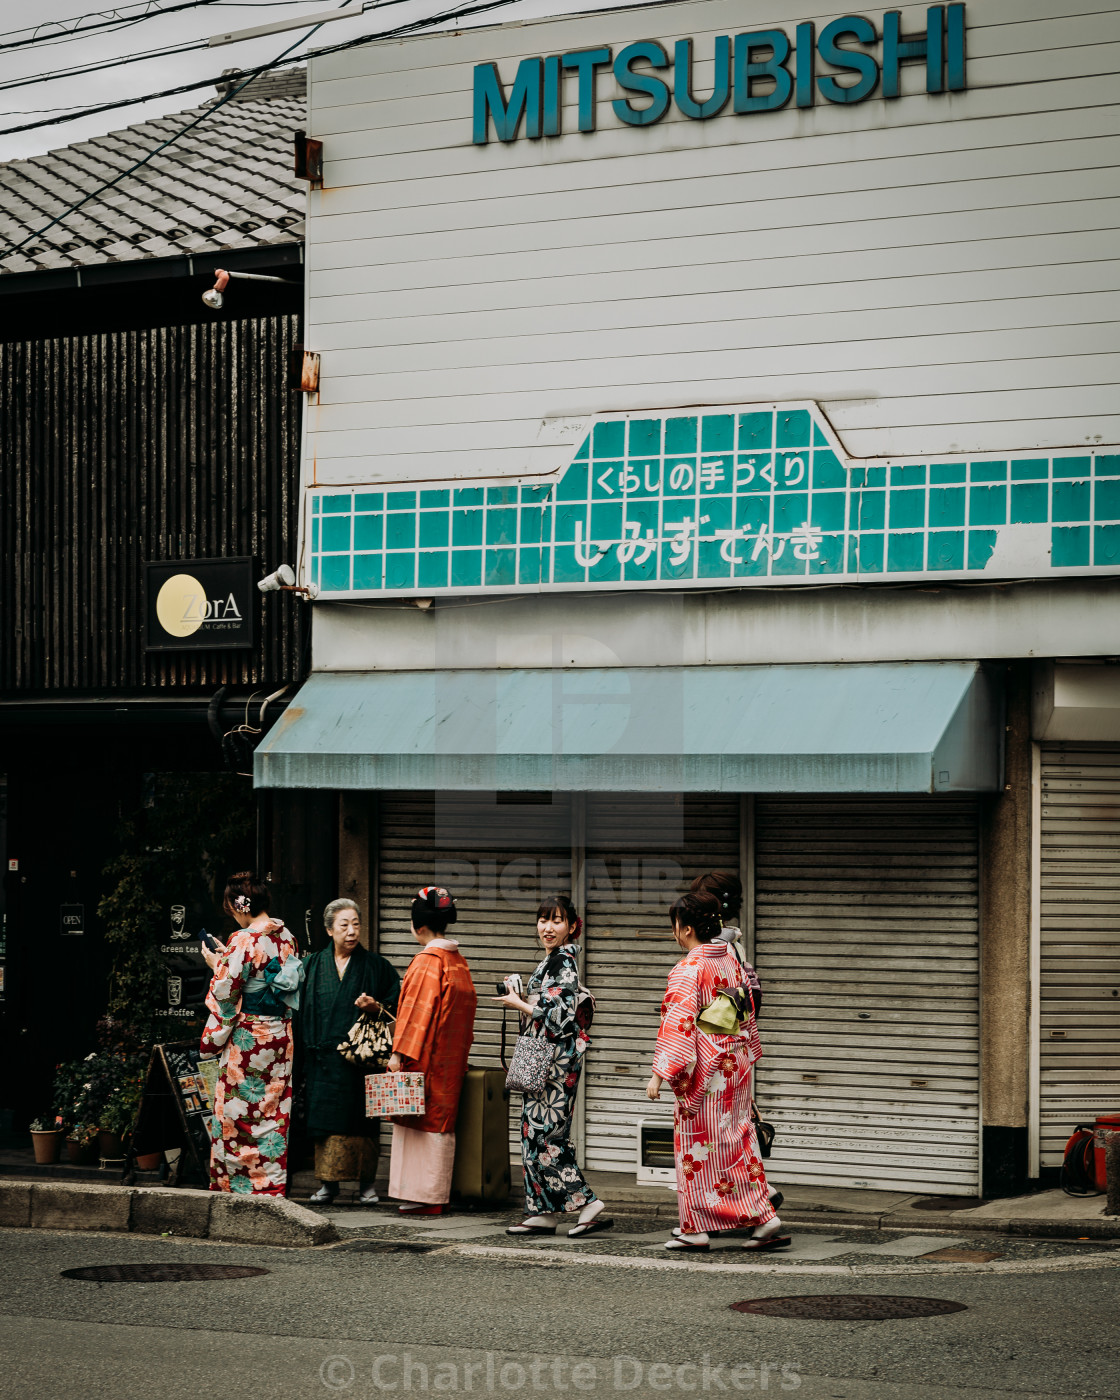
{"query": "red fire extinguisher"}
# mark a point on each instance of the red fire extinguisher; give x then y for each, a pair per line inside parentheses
(1106, 1123)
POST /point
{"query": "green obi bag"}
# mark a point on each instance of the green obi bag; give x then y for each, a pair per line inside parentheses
(729, 1013)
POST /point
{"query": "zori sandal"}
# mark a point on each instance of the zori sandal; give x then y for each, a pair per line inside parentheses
(590, 1227)
(678, 1243)
(524, 1229)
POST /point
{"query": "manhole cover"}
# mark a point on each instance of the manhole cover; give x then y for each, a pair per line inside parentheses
(849, 1307)
(162, 1273)
(947, 1203)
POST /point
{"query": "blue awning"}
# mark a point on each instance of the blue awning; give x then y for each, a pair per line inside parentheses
(885, 727)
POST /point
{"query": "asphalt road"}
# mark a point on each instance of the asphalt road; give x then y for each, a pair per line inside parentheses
(347, 1322)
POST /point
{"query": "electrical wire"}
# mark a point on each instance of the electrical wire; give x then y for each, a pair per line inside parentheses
(100, 65)
(114, 19)
(249, 74)
(202, 116)
(412, 27)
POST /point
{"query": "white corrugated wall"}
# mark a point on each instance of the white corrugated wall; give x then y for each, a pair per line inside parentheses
(868, 951)
(1079, 929)
(867, 946)
(642, 850)
(492, 856)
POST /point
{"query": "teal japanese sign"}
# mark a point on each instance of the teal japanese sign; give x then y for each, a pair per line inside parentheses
(738, 496)
(760, 71)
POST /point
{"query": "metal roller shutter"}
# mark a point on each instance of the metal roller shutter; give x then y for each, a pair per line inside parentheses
(493, 857)
(1079, 927)
(867, 948)
(642, 851)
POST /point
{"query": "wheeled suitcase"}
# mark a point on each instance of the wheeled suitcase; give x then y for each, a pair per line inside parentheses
(482, 1139)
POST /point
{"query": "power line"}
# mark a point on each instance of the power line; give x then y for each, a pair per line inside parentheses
(109, 184)
(250, 73)
(117, 19)
(80, 112)
(281, 61)
(100, 65)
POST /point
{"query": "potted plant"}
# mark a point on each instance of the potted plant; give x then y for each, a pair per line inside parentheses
(81, 1144)
(103, 1090)
(46, 1138)
(118, 1117)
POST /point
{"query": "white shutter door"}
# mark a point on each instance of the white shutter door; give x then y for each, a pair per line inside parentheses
(1079, 981)
(642, 851)
(867, 949)
(494, 857)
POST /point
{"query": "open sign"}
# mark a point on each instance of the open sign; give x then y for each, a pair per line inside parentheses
(71, 920)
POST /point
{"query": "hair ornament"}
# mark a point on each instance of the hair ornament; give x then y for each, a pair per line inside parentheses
(436, 897)
(241, 904)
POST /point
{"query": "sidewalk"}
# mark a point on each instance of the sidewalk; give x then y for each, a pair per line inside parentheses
(1042, 1214)
(1051, 1214)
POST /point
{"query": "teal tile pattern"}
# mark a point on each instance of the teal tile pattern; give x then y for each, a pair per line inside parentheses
(729, 496)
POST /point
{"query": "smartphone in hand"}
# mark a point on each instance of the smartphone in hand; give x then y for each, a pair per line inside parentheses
(210, 942)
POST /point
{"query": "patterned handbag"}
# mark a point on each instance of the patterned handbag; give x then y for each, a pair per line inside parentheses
(369, 1042)
(395, 1095)
(532, 1059)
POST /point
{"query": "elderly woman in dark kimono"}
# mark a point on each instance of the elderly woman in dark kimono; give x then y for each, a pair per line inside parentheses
(342, 979)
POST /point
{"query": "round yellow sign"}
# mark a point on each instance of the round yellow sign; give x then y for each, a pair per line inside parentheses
(181, 605)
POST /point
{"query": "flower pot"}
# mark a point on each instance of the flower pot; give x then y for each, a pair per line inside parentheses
(109, 1144)
(47, 1147)
(81, 1154)
(148, 1161)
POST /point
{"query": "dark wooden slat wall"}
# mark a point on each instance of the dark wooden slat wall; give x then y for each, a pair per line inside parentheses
(172, 442)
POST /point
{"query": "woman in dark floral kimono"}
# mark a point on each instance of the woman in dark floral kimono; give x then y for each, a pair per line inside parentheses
(557, 1008)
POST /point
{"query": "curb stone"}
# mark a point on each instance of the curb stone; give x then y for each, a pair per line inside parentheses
(153, 1210)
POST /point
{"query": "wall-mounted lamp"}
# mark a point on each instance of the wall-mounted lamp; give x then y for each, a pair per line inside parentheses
(213, 297)
(283, 577)
(283, 580)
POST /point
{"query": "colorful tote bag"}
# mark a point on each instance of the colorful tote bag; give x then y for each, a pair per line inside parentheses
(394, 1095)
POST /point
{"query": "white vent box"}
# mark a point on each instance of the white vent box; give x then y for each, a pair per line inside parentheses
(655, 1153)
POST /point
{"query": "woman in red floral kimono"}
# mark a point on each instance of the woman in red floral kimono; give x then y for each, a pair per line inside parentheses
(250, 1030)
(721, 1184)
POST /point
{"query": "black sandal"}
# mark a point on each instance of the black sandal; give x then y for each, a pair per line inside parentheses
(685, 1245)
(578, 1232)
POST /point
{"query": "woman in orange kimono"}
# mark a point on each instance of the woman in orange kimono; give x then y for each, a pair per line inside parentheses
(721, 1183)
(435, 1028)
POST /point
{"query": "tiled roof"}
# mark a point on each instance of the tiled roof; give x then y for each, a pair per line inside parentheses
(226, 185)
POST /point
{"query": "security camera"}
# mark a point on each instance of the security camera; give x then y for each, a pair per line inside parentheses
(283, 577)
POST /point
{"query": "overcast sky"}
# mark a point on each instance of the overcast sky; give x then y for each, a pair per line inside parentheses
(52, 52)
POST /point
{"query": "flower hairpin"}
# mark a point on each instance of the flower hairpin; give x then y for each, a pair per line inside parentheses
(437, 895)
(241, 904)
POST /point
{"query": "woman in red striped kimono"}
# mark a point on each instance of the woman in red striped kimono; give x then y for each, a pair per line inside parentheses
(721, 1184)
